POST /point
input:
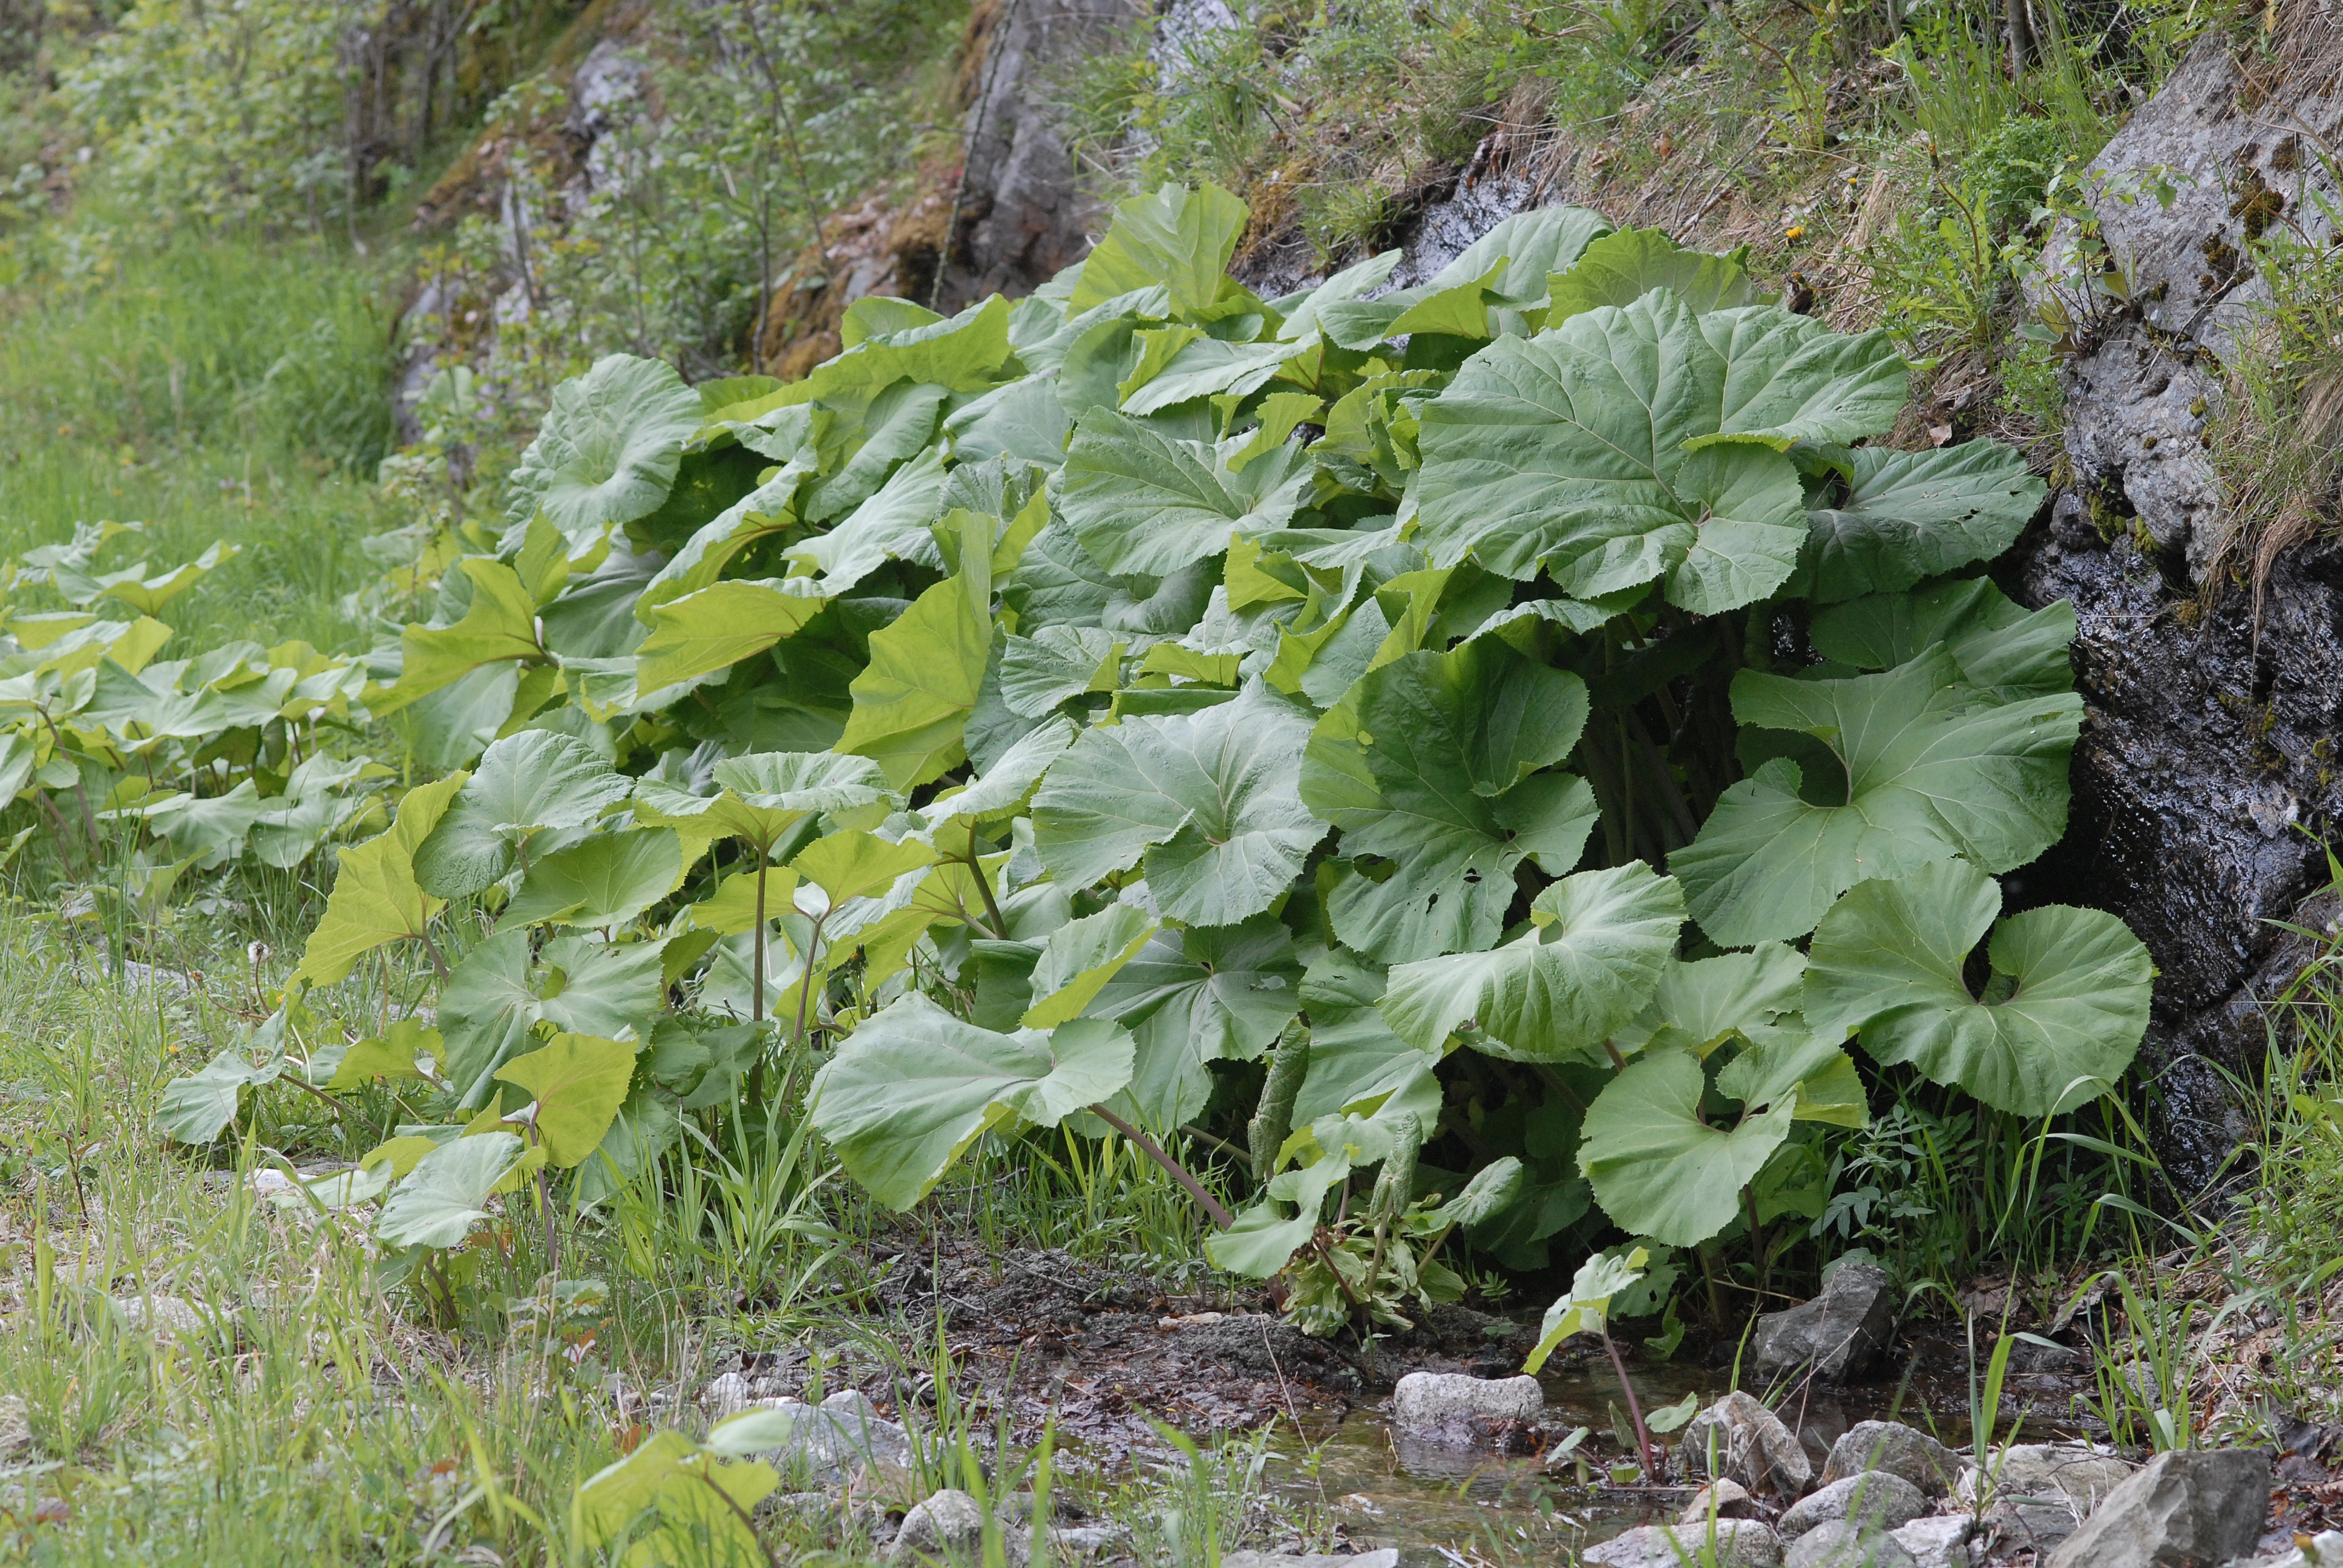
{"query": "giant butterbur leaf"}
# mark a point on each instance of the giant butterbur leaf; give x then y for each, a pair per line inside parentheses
(376, 897)
(608, 447)
(1621, 268)
(437, 1204)
(2058, 1021)
(1210, 801)
(1922, 771)
(720, 624)
(606, 880)
(1911, 515)
(1209, 993)
(1590, 962)
(1176, 237)
(1566, 453)
(912, 701)
(1658, 1168)
(2004, 653)
(1143, 501)
(526, 784)
(1080, 957)
(578, 1084)
(1427, 763)
(913, 1087)
(498, 625)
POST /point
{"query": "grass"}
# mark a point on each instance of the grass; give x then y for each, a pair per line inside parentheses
(215, 387)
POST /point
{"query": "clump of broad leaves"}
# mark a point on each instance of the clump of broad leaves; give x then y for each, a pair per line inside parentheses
(1517, 735)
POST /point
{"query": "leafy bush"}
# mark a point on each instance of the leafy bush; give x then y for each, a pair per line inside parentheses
(1060, 707)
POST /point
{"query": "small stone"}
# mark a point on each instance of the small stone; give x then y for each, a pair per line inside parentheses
(268, 1182)
(840, 1437)
(1096, 1540)
(1386, 1558)
(1839, 1333)
(2185, 1510)
(1724, 1498)
(16, 1428)
(727, 1395)
(1876, 1499)
(1752, 1447)
(949, 1525)
(1897, 1449)
(1740, 1543)
(1837, 1543)
(2037, 1492)
(1942, 1541)
(1456, 1410)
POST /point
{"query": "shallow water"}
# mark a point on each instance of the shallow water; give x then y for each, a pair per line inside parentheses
(1445, 1507)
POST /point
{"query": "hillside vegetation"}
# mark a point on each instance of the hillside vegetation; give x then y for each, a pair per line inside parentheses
(545, 860)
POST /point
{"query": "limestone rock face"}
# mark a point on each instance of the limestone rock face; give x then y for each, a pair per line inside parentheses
(2196, 760)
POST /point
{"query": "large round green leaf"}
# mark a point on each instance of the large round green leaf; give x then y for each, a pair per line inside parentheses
(578, 1084)
(606, 880)
(1567, 453)
(1427, 763)
(1912, 514)
(1209, 993)
(913, 1087)
(1590, 962)
(1920, 768)
(437, 1204)
(2057, 1023)
(526, 784)
(1142, 501)
(1211, 801)
(608, 449)
(1621, 268)
(2004, 652)
(1657, 1168)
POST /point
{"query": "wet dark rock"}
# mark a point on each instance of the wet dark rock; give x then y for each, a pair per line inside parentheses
(1839, 1544)
(1452, 1409)
(1836, 1335)
(2184, 1509)
(2209, 736)
(1875, 1500)
(1750, 1444)
(1897, 1449)
(1740, 1543)
(2206, 740)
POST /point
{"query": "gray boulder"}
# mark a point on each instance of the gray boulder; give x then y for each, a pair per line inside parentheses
(1724, 1498)
(1897, 1449)
(1836, 1543)
(1386, 1558)
(2033, 1495)
(948, 1527)
(1876, 1499)
(2185, 1510)
(1455, 1410)
(840, 1436)
(1740, 1543)
(1839, 1333)
(1750, 1444)
(1942, 1541)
